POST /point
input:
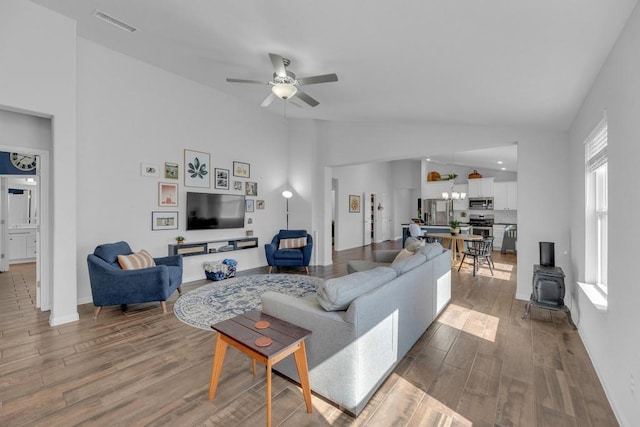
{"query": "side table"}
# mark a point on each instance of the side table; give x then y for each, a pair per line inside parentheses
(241, 332)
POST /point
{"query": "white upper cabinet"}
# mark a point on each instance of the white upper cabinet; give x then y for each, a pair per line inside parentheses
(505, 196)
(436, 188)
(461, 205)
(481, 187)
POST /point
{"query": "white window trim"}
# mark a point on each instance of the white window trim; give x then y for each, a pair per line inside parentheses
(597, 142)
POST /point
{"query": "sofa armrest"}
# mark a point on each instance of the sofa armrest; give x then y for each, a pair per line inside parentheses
(385, 255)
(173, 260)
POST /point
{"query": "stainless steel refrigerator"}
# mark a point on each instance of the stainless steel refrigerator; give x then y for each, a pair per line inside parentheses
(436, 211)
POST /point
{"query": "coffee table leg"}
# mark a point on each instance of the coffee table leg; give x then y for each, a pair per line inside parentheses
(268, 393)
(300, 356)
(216, 368)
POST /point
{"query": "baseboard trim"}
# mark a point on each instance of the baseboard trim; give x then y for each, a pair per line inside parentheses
(55, 321)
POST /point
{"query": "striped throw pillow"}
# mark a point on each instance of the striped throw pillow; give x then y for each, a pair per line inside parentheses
(136, 261)
(300, 242)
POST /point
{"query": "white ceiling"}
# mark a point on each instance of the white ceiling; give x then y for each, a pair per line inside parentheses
(491, 62)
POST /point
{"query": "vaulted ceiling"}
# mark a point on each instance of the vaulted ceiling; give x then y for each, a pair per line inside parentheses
(490, 62)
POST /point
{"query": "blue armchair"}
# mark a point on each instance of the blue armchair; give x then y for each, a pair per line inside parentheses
(282, 251)
(111, 285)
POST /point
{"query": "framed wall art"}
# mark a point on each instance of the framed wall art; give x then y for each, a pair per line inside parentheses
(237, 185)
(248, 205)
(164, 220)
(221, 178)
(167, 194)
(354, 204)
(150, 170)
(242, 170)
(259, 204)
(251, 188)
(171, 170)
(196, 169)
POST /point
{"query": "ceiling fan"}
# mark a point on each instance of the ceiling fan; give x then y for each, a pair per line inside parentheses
(285, 85)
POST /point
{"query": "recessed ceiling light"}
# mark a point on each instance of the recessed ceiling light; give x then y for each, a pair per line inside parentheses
(504, 169)
(428, 160)
(499, 162)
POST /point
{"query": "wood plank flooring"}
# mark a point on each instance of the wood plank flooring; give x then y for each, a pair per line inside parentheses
(479, 364)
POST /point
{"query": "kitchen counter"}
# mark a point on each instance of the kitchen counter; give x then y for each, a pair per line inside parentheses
(464, 229)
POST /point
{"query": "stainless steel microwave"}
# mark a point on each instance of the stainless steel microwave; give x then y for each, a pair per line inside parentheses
(481, 203)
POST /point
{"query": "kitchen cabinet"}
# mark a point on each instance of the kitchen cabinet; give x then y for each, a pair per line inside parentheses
(505, 196)
(461, 204)
(22, 245)
(481, 187)
(435, 189)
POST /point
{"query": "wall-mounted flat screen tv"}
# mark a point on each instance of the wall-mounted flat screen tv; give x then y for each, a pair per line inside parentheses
(210, 211)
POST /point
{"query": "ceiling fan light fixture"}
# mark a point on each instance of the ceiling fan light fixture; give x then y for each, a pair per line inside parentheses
(284, 90)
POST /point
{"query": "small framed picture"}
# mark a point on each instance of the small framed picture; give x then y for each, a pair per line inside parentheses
(171, 170)
(167, 194)
(248, 205)
(150, 170)
(237, 185)
(164, 220)
(222, 178)
(196, 169)
(259, 204)
(354, 204)
(251, 188)
(242, 170)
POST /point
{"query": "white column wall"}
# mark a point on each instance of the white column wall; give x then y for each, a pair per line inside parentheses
(611, 337)
(38, 76)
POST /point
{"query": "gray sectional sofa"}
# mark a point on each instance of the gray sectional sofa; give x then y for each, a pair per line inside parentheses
(364, 323)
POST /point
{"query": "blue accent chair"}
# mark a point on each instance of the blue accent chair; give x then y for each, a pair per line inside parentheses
(296, 257)
(111, 285)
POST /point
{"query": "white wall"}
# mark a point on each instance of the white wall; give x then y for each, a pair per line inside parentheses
(543, 177)
(611, 337)
(357, 180)
(131, 112)
(37, 76)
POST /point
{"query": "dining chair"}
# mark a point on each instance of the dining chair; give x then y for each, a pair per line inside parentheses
(480, 251)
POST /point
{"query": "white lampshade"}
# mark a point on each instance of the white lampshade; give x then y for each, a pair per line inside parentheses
(287, 194)
(284, 90)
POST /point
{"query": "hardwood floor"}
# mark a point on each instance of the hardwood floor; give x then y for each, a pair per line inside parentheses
(479, 364)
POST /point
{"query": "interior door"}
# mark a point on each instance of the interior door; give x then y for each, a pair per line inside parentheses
(368, 218)
(4, 224)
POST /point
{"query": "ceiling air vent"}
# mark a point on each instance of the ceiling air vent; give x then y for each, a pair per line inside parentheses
(113, 21)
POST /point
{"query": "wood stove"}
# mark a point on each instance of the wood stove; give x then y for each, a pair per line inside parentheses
(547, 283)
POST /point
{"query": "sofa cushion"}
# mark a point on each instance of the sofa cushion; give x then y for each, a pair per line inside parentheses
(405, 253)
(431, 250)
(336, 294)
(408, 263)
(109, 252)
(136, 261)
(356, 265)
(299, 242)
(288, 254)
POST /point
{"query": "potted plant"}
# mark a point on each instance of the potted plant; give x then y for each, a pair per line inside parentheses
(180, 240)
(455, 227)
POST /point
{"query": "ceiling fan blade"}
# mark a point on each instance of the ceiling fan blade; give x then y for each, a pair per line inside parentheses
(325, 78)
(306, 98)
(292, 102)
(267, 101)
(278, 64)
(247, 81)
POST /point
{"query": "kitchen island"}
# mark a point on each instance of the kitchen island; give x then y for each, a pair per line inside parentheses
(464, 229)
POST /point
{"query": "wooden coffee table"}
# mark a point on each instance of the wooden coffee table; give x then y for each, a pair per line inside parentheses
(241, 332)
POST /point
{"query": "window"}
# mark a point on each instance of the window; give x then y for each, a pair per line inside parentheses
(596, 197)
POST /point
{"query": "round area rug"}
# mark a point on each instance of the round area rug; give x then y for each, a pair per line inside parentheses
(218, 301)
